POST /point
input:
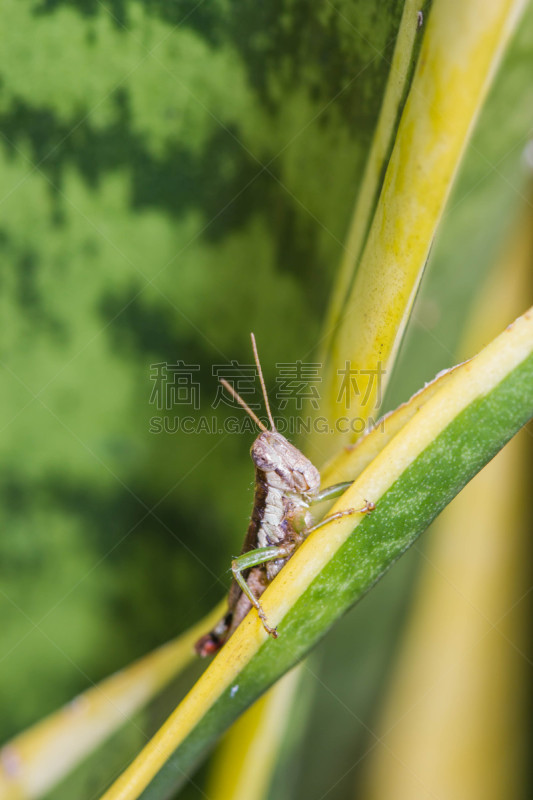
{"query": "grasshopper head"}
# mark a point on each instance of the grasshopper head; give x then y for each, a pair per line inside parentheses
(285, 466)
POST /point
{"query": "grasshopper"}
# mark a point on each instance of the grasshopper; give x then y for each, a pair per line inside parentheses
(286, 484)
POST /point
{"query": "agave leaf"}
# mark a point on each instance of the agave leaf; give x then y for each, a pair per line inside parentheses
(37, 759)
(405, 52)
(472, 582)
(424, 466)
(247, 755)
(462, 46)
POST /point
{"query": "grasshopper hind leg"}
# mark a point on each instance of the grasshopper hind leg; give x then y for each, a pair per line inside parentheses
(252, 559)
(250, 583)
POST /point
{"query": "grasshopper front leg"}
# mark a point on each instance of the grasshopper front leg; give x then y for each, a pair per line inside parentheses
(253, 558)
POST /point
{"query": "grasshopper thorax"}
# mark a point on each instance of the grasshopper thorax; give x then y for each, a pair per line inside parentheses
(284, 465)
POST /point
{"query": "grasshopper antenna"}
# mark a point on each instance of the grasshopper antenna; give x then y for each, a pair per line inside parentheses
(256, 356)
(239, 399)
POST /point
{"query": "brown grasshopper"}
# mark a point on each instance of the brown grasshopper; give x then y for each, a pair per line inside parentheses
(286, 484)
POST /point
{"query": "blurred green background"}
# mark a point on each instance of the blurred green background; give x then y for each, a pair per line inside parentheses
(174, 175)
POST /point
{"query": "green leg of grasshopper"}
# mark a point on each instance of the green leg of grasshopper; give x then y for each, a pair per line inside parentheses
(253, 558)
(368, 506)
(331, 491)
(328, 494)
